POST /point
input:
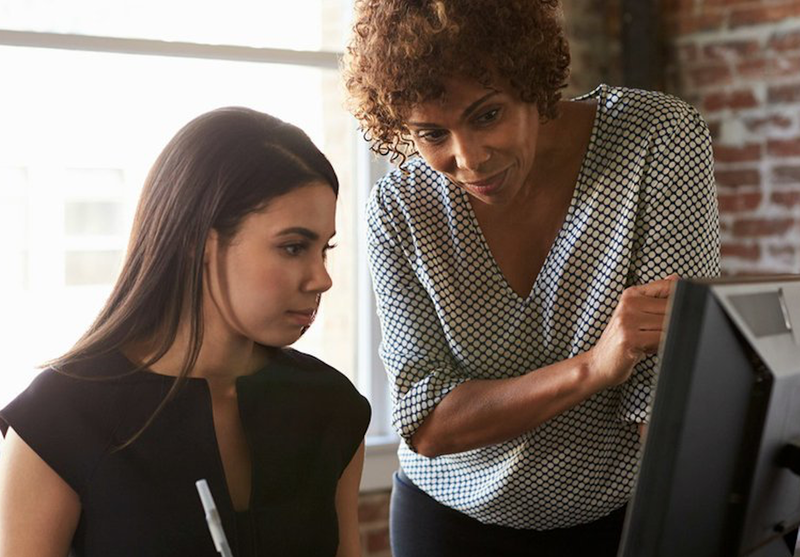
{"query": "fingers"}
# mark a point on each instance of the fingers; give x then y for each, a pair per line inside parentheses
(656, 289)
(635, 302)
(635, 329)
(640, 333)
(650, 322)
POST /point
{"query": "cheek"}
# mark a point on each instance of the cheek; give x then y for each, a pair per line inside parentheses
(528, 134)
(434, 157)
(254, 289)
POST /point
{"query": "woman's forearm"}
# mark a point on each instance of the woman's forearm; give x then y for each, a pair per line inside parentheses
(484, 412)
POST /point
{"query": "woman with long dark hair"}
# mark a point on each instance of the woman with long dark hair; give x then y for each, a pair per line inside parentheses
(185, 374)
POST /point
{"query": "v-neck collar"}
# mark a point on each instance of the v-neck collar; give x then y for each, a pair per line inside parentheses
(462, 197)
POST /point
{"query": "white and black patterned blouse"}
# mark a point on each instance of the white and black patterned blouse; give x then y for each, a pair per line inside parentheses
(644, 207)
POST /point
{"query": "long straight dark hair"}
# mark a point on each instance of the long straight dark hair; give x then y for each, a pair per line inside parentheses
(220, 167)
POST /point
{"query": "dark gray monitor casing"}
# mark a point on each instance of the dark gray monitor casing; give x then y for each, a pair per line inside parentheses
(727, 402)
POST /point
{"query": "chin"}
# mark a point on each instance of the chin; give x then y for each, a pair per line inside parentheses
(281, 340)
(294, 337)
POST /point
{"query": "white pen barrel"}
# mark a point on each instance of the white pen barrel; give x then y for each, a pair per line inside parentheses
(212, 519)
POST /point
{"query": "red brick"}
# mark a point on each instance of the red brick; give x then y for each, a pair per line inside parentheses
(676, 6)
(713, 128)
(726, 3)
(749, 152)
(705, 76)
(763, 13)
(378, 540)
(688, 24)
(373, 510)
(686, 52)
(766, 68)
(739, 202)
(787, 199)
(737, 178)
(785, 41)
(784, 147)
(741, 251)
(785, 174)
(731, 49)
(774, 121)
(755, 228)
(755, 69)
(784, 93)
(730, 99)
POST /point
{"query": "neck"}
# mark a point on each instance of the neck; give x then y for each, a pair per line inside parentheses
(556, 139)
(561, 144)
(222, 358)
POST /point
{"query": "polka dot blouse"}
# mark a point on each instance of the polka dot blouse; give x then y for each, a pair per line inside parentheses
(644, 207)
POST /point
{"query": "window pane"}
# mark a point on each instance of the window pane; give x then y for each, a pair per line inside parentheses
(89, 218)
(94, 182)
(13, 209)
(298, 24)
(82, 156)
(91, 267)
(13, 228)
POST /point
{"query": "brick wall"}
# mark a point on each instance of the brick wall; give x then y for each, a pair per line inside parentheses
(738, 61)
(373, 515)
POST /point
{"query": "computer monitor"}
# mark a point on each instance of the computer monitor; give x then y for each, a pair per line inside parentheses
(720, 471)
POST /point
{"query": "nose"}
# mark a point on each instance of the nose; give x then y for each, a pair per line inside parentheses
(319, 280)
(470, 154)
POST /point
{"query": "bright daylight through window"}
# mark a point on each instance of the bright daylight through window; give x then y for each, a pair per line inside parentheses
(92, 94)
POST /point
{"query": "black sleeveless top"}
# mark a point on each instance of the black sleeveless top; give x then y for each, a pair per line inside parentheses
(303, 421)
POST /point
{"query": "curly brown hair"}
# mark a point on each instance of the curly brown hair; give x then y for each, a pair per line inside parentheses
(400, 50)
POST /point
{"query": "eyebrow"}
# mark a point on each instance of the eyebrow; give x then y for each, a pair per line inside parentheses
(467, 111)
(305, 232)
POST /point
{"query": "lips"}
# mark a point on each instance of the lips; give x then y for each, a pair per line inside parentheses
(304, 317)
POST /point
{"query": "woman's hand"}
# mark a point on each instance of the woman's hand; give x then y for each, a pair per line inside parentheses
(633, 333)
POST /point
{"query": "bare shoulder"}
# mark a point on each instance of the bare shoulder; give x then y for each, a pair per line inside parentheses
(39, 511)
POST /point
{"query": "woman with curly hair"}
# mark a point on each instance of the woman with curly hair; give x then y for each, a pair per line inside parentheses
(522, 257)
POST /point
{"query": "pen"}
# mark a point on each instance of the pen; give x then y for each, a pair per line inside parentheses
(212, 519)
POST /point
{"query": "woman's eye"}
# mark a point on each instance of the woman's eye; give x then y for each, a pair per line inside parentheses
(489, 116)
(326, 249)
(432, 136)
(294, 249)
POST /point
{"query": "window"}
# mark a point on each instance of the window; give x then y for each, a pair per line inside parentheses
(93, 91)
(306, 25)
